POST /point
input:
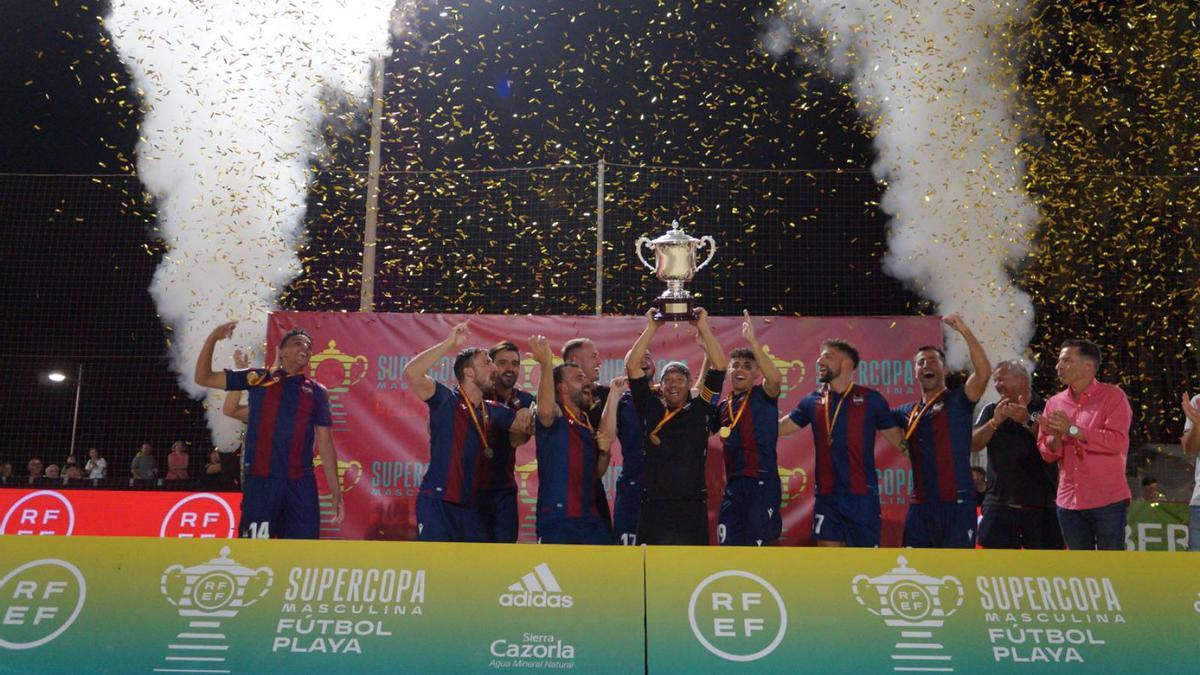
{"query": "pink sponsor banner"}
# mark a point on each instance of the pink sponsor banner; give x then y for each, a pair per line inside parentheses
(382, 433)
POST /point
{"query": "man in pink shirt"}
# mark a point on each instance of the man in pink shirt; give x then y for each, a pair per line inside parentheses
(1085, 428)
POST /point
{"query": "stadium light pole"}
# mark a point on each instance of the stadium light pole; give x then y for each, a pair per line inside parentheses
(58, 377)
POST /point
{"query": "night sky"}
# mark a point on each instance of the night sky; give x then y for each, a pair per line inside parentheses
(488, 85)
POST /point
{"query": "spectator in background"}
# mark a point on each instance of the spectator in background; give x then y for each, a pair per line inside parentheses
(212, 479)
(144, 466)
(72, 473)
(979, 477)
(70, 462)
(1150, 491)
(52, 472)
(1085, 428)
(177, 462)
(96, 467)
(34, 467)
(6, 474)
(1191, 446)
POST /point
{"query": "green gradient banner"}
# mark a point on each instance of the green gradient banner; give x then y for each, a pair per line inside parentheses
(1156, 526)
(131, 605)
(912, 611)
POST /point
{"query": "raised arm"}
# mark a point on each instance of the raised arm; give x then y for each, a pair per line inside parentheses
(772, 378)
(716, 357)
(547, 403)
(978, 381)
(1191, 438)
(416, 373)
(633, 360)
(204, 375)
(232, 407)
(607, 432)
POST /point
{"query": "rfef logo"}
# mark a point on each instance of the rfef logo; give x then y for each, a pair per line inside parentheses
(199, 516)
(38, 602)
(538, 589)
(737, 615)
(41, 512)
(917, 605)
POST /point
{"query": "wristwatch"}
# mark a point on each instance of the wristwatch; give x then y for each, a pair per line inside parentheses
(1073, 431)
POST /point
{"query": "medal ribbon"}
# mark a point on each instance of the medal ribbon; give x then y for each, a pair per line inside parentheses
(918, 413)
(586, 423)
(734, 419)
(666, 418)
(825, 404)
(480, 428)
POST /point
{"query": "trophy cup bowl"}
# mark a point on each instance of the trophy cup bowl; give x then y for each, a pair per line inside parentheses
(675, 263)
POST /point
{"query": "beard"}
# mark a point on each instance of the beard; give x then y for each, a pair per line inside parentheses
(829, 376)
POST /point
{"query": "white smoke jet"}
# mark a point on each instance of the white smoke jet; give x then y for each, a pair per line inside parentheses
(934, 79)
(234, 94)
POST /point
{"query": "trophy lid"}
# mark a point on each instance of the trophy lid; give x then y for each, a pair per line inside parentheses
(675, 236)
(221, 563)
(902, 572)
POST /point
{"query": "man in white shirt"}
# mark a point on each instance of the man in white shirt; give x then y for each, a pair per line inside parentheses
(1191, 446)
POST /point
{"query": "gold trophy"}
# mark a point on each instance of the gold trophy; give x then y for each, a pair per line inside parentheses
(675, 263)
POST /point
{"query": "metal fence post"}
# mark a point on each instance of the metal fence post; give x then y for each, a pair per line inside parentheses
(366, 302)
(599, 237)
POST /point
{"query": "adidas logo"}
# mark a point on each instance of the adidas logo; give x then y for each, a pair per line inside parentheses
(539, 588)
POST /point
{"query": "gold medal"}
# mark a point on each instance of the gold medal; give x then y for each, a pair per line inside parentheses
(725, 431)
(489, 453)
(655, 439)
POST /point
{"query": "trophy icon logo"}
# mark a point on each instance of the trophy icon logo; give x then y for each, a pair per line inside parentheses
(791, 381)
(528, 526)
(675, 263)
(349, 472)
(337, 370)
(915, 603)
(206, 594)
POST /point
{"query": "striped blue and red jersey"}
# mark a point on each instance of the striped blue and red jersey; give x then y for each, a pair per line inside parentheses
(497, 473)
(632, 437)
(750, 446)
(566, 456)
(455, 447)
(940, 447)
(284, 414)
(845, 458)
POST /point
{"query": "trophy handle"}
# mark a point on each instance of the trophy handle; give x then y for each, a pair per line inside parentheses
(857, 589)
(951, 582)
(712, 250)
(176, 568)
(644, 241)
(269, 576)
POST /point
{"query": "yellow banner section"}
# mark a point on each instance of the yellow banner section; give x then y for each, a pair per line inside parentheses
(920, 610)
(76, 604)
(219, 606)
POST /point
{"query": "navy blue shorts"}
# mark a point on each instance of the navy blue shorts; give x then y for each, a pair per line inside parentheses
(498, 513)
(1009, 527)
(440, 520)
(750, 511)
(584, 530)
(280, 508)
(626, 506)
(941, 524)
(853, 519)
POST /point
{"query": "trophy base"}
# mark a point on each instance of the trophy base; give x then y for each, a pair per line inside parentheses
(674, 309)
